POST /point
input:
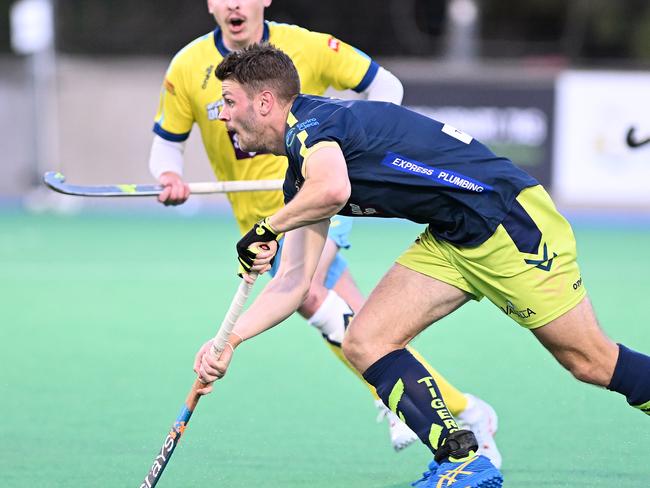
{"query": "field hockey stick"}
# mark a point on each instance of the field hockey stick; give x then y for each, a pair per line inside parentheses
(218, 345)
(56, 181)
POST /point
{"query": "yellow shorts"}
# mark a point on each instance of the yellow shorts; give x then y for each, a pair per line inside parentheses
(527, 268)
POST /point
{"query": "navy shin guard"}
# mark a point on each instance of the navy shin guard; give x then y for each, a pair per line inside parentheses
(409, 390)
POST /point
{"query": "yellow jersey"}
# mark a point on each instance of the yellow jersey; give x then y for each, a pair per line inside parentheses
(191, 93)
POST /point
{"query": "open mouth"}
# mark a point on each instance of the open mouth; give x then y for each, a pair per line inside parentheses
(236, 23)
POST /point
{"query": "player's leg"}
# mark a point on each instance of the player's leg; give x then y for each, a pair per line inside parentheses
(332, 301)
(403, 304)
(466, 408)
(327, 308)
(579, 344)
(549, 297)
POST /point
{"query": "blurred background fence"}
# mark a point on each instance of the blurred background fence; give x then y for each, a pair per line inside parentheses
(561, 87)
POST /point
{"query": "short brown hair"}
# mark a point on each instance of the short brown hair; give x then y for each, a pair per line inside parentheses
(261, 66)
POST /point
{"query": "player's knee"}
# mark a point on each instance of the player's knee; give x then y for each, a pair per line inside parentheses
(354, 351)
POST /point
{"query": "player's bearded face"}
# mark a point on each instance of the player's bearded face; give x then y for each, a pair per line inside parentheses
(239, 114)
(246, 127)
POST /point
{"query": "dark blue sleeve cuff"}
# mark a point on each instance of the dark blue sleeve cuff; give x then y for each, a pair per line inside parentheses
(168, 135)
(367, 78)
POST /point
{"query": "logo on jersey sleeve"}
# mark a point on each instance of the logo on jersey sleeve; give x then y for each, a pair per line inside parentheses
(333, 44)
(169, 86)
(444, 177)
(456, 134)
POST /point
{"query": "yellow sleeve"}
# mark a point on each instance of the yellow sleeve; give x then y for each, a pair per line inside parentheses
(174, 118)
(342, 66)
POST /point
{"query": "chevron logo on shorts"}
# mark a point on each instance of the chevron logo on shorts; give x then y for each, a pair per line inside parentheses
(545, 263)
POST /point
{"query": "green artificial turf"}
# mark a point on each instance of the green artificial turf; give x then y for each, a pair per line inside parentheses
(101, 316)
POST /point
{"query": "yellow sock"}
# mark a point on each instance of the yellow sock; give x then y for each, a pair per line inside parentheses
(455, 400)
(339, 354)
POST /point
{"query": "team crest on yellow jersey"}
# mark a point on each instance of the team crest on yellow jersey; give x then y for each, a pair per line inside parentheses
(213, 109)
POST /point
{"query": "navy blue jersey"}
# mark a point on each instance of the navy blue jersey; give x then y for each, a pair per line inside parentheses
(405, 165)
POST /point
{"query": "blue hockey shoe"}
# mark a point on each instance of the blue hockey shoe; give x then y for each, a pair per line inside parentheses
(431, 470)
(476, 472)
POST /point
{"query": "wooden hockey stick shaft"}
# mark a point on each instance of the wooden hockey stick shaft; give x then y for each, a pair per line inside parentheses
(179, 426)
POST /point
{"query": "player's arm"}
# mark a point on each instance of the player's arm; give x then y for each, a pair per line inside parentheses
(325, 191)
(385, 87)
(166, 165)
(278, 300)
(172, 126)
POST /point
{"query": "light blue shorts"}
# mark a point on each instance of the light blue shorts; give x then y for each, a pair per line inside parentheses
(339, 232)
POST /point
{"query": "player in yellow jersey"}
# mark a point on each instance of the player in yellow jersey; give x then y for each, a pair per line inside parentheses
(192, 94)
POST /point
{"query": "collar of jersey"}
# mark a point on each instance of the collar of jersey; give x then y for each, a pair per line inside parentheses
(292, 119)
(221, 47)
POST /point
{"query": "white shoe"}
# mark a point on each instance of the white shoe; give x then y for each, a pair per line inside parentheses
(482, 420)
(401, 435)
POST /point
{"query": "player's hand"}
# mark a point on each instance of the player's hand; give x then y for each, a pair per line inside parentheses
(208, 367)
(257, 249)
(176, 191)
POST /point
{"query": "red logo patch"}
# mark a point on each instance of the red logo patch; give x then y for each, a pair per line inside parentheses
(333, 44)
(169, 86)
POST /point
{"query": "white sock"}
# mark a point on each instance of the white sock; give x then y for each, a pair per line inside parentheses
(470, 413)
(330, 318)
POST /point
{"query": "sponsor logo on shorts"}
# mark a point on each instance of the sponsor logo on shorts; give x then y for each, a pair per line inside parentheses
(523, 313)
(545, 263)
(358, 210)
(577, 284)
(444, 177)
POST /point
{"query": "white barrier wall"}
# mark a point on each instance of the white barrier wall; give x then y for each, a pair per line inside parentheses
(602, 142)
